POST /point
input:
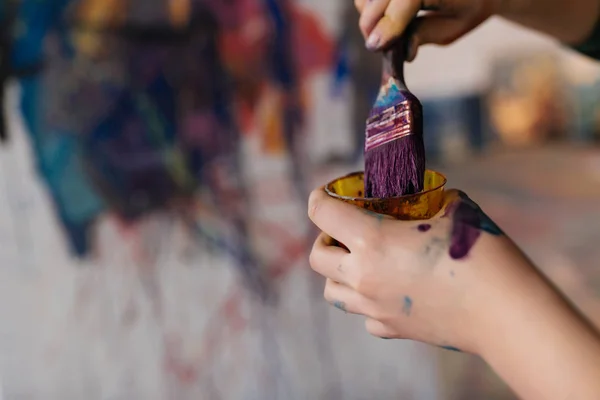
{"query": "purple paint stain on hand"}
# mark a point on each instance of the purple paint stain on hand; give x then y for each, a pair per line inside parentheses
(424, 227)
(468, 221)
(465, 231)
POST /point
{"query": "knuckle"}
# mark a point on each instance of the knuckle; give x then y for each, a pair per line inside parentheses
(361, 277)
(313, 259)
(314, 201)
(401, 10)
(365, 24)
(371, 330)
(360, 244)
(367, 282)
(355, 282)
(353, 278)
(328, 295)
(363, 241)
(374, 328)
(368, 240)
(382, 316)
(362, 285)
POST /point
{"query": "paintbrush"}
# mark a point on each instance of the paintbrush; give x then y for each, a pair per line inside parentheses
(394, 148)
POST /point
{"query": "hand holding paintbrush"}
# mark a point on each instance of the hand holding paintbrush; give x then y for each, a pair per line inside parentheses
(394, 148)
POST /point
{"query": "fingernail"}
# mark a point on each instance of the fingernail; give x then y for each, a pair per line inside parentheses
(413, 49)
(373, 41)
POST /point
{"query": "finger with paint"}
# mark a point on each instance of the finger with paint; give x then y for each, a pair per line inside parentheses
(444, 21)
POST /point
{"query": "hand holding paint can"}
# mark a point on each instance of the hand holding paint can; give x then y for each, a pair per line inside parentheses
(398, 258)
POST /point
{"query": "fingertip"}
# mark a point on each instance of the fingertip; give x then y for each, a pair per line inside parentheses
(370, 18)
(374, 41)
(378, 329)
(385, 33)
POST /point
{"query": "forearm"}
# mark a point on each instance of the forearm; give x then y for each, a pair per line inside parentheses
(570, 21)
(538, 344)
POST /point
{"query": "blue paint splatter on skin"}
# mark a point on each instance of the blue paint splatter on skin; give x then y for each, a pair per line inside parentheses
(407, 307)
(340, 305)
(468, 221)
(370, 213)
(485, 223)
(424, 227)
(450, 348)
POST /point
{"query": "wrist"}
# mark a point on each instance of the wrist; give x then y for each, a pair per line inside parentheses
(508, 287)
(527, 332)
(515, 311)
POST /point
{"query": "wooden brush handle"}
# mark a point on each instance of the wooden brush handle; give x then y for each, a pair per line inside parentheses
(395, 56)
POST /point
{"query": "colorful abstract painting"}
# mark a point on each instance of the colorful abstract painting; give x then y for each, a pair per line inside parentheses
(153, 225)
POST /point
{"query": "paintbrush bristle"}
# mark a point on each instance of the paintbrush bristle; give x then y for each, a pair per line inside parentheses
(395, 152)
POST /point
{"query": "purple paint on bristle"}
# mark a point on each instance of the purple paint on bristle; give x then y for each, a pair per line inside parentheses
(395, 167)
(394, 148)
